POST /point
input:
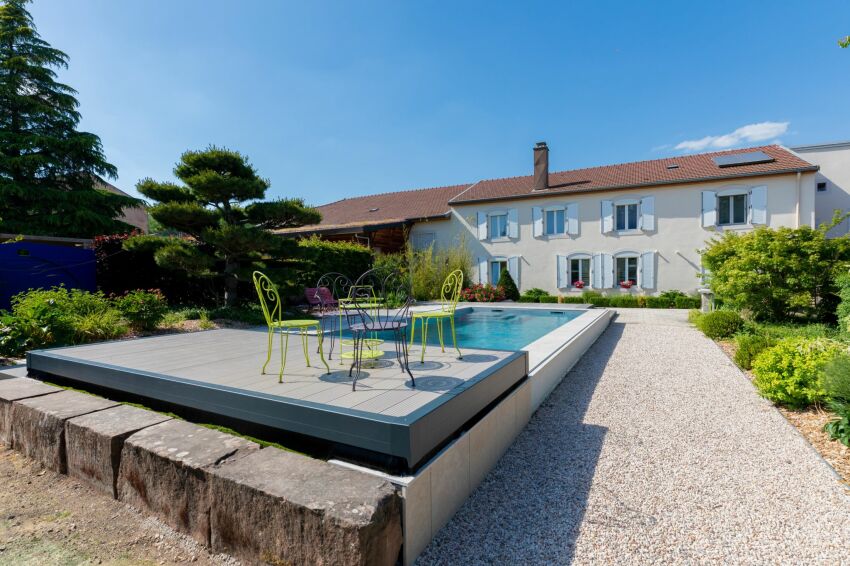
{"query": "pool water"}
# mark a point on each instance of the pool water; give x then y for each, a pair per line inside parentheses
(497, 329)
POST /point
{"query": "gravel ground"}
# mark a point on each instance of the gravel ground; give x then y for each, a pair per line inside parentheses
(654, 449)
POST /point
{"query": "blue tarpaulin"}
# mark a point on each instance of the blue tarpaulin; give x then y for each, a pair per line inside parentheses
(26, 265)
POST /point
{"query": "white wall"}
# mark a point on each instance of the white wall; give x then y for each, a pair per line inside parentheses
(834, 162)
(677, 236)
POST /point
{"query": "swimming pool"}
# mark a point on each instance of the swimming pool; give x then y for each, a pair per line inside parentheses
(493, 328)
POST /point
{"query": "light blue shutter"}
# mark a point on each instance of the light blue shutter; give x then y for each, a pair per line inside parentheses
(513, 269)
(537, 221)
(607, 271)
(647, 270)
(607, 216)
(482, 226)
(561, 271)
(596, 271)
(709, 209)
(513, 223)
(571, 218)
(482, 270)
(758, 205)
(647, 214)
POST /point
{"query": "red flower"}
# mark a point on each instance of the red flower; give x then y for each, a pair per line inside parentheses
(579, 284)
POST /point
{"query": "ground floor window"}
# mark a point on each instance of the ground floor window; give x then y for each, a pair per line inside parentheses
(626, 269)
(496, 267)
(580, 271)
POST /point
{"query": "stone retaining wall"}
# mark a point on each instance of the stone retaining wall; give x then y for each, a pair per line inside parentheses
(263, 505)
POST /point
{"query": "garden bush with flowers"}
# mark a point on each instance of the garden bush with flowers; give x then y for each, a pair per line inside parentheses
(482, 293)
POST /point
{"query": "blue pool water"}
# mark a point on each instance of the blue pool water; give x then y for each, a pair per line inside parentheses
(498, 329)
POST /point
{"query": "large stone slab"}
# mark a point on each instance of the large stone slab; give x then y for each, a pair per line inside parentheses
(14, 389)
(164, 470)
(13, 371)
(283, 508)
(94, 443)
(38, 424)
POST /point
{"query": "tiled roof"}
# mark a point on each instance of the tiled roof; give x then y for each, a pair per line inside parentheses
(388, 208)
(384, 208)
(691, 168)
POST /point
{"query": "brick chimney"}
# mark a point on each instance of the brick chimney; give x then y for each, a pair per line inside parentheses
(541, 166)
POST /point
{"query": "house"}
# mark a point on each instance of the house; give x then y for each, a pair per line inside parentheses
(832, 182)
(136, 216)
(643, 222)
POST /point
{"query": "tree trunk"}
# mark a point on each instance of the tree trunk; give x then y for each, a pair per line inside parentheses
(230, 281)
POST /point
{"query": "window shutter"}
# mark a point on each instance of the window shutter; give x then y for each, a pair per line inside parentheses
(482, 270)
(571, 218)
(482, 226)
(758, 205)
(647, 214)
(561, 271)
(596, 271)
(607, 216)
(513, 269)
(537, 221)
(709, 209)
(513, 223)
(607, 271)
(647, 270)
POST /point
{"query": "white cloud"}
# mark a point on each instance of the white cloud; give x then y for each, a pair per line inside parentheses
(745, 134)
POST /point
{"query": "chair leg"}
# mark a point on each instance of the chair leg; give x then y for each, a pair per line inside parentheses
(424, 337)
(407, 362)
(454, 337)
(283, 348)
(320, 337)
(412, 330)
(358, 360)
(269, 355)
(354, 356)
(305, 347)
(440, 334)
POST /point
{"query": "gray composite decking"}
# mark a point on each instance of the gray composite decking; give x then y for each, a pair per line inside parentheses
(218, 372)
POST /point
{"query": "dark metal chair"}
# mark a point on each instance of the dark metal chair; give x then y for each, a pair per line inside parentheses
(381, 298)
(330, 293)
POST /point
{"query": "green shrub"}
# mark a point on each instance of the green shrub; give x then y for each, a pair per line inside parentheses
(549, 299)
(835, 378)
(249, 313)
(317, 257)
(43, 318)
(694, 315)
(777, 274)
(142, 309)
(718, 325)
(623, 301)
(687, 302)
(839, 428)
(506, 282)
(843, 310)
(429, 267)
(780, 331)
(789, 372)
(657, 303)
(527, 299)
(749, 346)
(572, 300)
(671, 296)
(595, 298)
(535, 293)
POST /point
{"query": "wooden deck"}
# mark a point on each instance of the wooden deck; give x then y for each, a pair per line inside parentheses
(218, 372)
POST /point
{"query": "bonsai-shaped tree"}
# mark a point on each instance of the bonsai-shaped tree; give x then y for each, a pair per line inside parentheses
(219, 210)
(506, 282)
(48, 169)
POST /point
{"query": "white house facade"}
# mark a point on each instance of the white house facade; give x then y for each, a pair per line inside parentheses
(832, 182)
(634, 227)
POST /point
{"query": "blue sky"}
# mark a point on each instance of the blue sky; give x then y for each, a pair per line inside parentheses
(336, 99)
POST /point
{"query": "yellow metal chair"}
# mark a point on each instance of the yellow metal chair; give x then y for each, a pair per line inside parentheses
(272, 310)
(449, 296)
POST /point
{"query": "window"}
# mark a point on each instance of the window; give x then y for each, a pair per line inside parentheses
(580, 271)
(627, 268)
(732, 209)
(496, 267)
(498, 225)
(555, 223)
(626, 217)
(822, 187)
(423, 240)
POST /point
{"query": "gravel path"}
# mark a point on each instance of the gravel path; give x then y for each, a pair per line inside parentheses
(654, 449)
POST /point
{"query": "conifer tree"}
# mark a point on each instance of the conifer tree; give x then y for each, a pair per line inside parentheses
(48, 169)
(220, 208)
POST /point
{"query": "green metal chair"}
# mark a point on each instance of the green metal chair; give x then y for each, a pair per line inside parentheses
(272, 310)
(449, 296)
